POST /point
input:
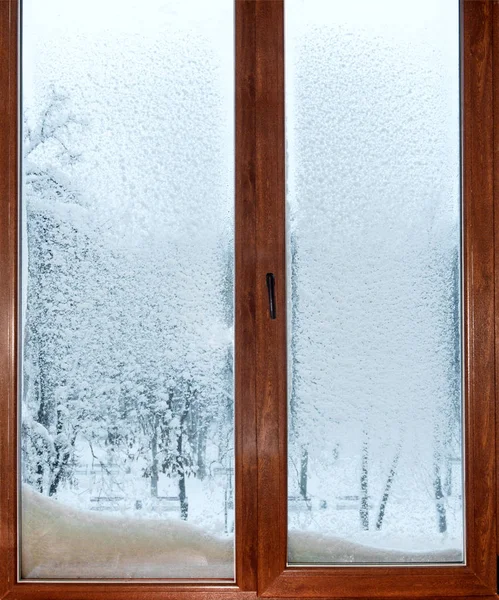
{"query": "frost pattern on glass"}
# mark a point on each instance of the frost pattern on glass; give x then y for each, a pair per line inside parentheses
(127, 286)
(373, 211)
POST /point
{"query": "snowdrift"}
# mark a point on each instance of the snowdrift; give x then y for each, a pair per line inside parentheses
(312, 547)
(60, 542)
(63, 542)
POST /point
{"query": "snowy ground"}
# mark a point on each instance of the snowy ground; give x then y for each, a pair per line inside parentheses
(61, 542)
(105, 524)
(210, 500)
(410, 525)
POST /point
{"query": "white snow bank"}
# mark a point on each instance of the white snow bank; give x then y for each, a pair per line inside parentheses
(312, 547)
(60, 542)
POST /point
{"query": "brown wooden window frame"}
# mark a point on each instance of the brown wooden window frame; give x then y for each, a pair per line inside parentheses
(261, 402)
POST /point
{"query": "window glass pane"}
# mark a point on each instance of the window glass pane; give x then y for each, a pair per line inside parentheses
(127, 284)
(373, 216)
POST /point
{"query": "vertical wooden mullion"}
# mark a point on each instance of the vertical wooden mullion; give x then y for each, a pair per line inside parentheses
(495, 112)
(8, 293)
(271, 333)
(245, 252)
(478, 275)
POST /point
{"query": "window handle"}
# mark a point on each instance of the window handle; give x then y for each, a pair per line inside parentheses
(271, 291)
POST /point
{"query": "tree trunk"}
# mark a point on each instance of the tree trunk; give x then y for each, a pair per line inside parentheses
(62, 456)
(388, 486)
(201, 453)
(154, 466)
(39, 474)
(364, 497)
(184, 503)
(439, 496)
(61, 467)
(42, 417)
(448, 477)
(304, 473)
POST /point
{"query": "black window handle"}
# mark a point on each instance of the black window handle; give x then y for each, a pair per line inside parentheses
(271, 291)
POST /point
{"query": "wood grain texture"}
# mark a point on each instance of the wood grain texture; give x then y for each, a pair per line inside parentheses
(245, 356)
(8, 293)
(261, 343)
(495, 108)
(478, 230)
(137, 591)
(271, 334)
(478, 577)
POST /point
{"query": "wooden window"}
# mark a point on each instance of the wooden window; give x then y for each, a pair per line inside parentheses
(261, 350)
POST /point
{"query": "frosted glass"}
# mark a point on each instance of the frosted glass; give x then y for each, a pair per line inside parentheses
(127, 284)
(373, 217)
